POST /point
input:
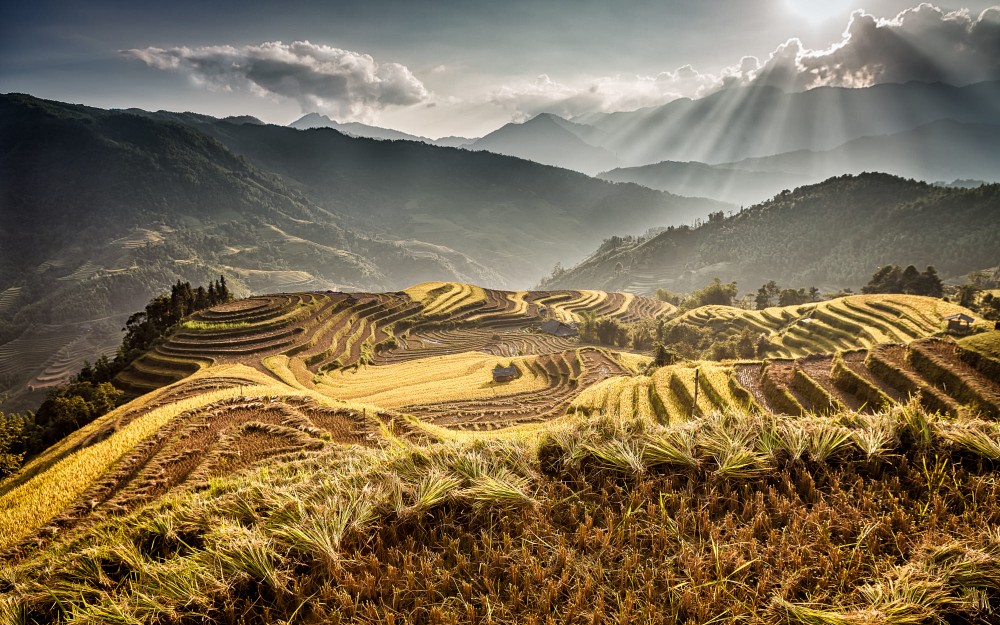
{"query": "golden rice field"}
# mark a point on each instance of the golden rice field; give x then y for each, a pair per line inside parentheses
(854, 322)
(465, 376)
(334, 457)
(326, 347)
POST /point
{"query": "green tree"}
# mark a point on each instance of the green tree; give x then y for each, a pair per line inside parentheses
(767, 294)
(792, 297)
(715, 292)
(15, 433)
(70, 407)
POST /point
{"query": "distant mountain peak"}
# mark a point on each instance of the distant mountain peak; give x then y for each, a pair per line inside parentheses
(312, 120)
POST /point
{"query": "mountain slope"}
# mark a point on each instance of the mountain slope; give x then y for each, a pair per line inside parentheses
(940, 150)
(510, 214)
(550, 140)
(726, 183)
(831, 235)
(744, 122)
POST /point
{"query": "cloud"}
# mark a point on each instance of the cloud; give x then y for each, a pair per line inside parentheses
(347, 85)
(605, 94)
(924, 43)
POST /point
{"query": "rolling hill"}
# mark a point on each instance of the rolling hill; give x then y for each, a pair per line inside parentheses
(103, 209)
(350, 456)
(511, 215)
(831, 235)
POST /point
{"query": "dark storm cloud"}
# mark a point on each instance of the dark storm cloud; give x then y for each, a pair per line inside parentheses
(924, 43)
(348, 85)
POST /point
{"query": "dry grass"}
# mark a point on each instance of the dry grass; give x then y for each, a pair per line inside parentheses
(713, 520)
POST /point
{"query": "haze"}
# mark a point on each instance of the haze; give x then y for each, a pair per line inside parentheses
(459, 68)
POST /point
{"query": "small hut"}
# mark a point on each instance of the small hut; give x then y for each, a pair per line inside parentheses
(504, 374)
(558, 328)
(959, 323)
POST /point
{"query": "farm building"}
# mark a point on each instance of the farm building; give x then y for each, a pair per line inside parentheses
(558, 328)
(504, 374)
(959, 322)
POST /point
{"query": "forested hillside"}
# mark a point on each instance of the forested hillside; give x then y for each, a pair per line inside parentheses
(834, 234)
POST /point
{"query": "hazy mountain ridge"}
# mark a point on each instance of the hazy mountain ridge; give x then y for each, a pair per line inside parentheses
(939, 150)
(551, 140)
(743, 123)
(512, 214)
(725, 183)
(733, 126)
(831, 235)
(746, 122)
(357, 129)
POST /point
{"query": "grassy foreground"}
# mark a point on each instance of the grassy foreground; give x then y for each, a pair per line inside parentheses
(884, 518)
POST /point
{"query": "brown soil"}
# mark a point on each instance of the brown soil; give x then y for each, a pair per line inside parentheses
(819, 369)
(748, 375)
(855, 361)
(943, 352)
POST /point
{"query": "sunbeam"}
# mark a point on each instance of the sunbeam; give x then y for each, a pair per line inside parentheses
(816, 11)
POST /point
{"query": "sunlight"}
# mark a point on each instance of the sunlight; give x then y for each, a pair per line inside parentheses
(817, 11)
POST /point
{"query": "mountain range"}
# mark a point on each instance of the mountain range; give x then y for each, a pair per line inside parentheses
(705, 147)
(103, 209)
(357, 129)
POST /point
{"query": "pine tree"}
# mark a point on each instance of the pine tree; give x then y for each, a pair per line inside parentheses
(223, 290)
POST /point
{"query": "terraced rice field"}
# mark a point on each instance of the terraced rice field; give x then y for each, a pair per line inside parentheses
(84, 272)
(943, 375)
(8, 296)
(324, 332)
(213, 423)
(283, 373)
(33, 349)
(646, 279)
(447, 298)
(668, 395)
(141, 238)
(66, 362)
(503, 342)
(855, 322)
(566, 306)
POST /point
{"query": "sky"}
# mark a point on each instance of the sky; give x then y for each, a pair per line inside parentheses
(465, 67)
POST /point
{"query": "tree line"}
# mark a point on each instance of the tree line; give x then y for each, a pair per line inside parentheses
(92, 392)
